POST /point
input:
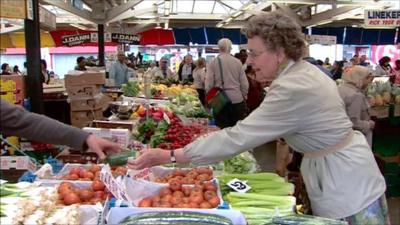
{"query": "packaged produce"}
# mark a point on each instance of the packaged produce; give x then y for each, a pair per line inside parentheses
(243, 163)
(121, 158)
(70, 194)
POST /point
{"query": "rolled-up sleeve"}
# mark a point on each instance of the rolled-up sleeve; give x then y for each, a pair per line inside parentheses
(15, 121)
(275, 118)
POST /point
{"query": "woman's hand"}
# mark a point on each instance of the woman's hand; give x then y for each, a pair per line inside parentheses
(149, 158)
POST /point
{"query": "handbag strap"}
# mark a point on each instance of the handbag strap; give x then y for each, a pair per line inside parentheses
(221, 73)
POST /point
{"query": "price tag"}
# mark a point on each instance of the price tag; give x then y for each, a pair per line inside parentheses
(238, 185)
(112, 184)
(166, 118)
(4, 163)
(21, 163)
(141, 174)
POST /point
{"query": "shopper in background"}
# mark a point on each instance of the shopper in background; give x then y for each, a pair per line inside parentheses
(355, 60)
(16, 70)
(81, 64)
(235, 84)
(15, 121)
(396, 72)
(139, 58)
(185, 71)
(119, 71)
(318, 63)
(363, 61)
(356, 80)
(384, 68)
(45, 73)
(166, 72)
(25, 70)
(327, 64)
(5, 69)
(302, 106)
(199, 79)
(337, 70)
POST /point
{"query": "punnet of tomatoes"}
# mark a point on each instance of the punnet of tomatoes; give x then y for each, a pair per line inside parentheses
(68, 194)
(200, 174)
(179, 135)
(178, 195)
(90, 174)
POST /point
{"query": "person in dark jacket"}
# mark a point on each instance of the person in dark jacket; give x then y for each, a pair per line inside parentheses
(15, 121)
(337, 69)
(5, 69)
(185, 71)
(81, 64)
(45, 72)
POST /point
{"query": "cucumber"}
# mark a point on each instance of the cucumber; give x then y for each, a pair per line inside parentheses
(176, 218)
(119, 159)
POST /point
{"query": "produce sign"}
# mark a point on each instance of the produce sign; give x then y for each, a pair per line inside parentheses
(74, 40)
(238, 185)
(125, 38)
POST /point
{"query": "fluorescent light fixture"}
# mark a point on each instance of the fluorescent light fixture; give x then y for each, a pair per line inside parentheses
(78, 26)
(167, 7)
(249, 6)
(228, 20)
(220, 24)
(236, 14)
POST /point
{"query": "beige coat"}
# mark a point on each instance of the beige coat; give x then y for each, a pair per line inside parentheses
(303, 106)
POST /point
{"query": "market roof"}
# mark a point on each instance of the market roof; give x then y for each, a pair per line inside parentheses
(133, 16)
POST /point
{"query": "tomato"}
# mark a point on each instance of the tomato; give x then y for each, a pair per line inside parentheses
(165, 191)
(178, 194)
(205, 205)
(175, 185)
(99, 194)
(204, 170)
(194, 205)
(95, 168)
(197, 198)
(86, 195)
(166, 199)
(73, 176)
(146, 202)
(75, 170)
(209, 195)
(214, 202)
(210, 187)
(82, 173)
(175, 200)
(187, 190)
(156, 198)
(165, 205)
(98, 185)
(71, 198)
(88, 175)
(156, 204)
(186, 200)
(66, 184)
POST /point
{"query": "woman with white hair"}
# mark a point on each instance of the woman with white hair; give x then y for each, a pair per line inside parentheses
(356, 80)
(302, 106)
(226, 72)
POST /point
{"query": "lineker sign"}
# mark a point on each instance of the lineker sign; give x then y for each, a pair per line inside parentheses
(379, 18)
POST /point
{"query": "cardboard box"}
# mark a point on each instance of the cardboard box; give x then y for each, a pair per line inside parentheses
(85, 104)
(128, 124)
(120, 136)
(83, 91)
(86, 78)
(17, 162)
(396, 112)
(84, 118)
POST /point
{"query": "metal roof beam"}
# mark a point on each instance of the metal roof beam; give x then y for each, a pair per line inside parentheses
(114, 12)
(85, 14)
(289, 12)
(328, 15)
(133, 13)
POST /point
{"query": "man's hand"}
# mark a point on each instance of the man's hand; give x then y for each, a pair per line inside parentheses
(101, 146)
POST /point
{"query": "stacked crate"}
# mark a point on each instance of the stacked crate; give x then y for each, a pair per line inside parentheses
(12, 90)
(84, 94)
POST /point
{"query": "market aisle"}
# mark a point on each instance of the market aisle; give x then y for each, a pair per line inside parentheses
(394, 210)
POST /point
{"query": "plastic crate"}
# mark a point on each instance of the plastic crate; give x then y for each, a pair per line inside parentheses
(55, 164)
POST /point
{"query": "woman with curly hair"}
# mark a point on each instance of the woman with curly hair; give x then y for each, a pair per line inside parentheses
(304, 108)
(384, 68)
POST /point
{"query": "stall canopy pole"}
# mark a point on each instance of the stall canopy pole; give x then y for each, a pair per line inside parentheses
(100, 34)
(32, 47)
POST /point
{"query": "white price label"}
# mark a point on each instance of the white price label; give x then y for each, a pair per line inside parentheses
(239, 186)
(112, 184)
(166, 118)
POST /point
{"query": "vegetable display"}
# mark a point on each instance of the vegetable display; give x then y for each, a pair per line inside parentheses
(131, 89)
(200, 174)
